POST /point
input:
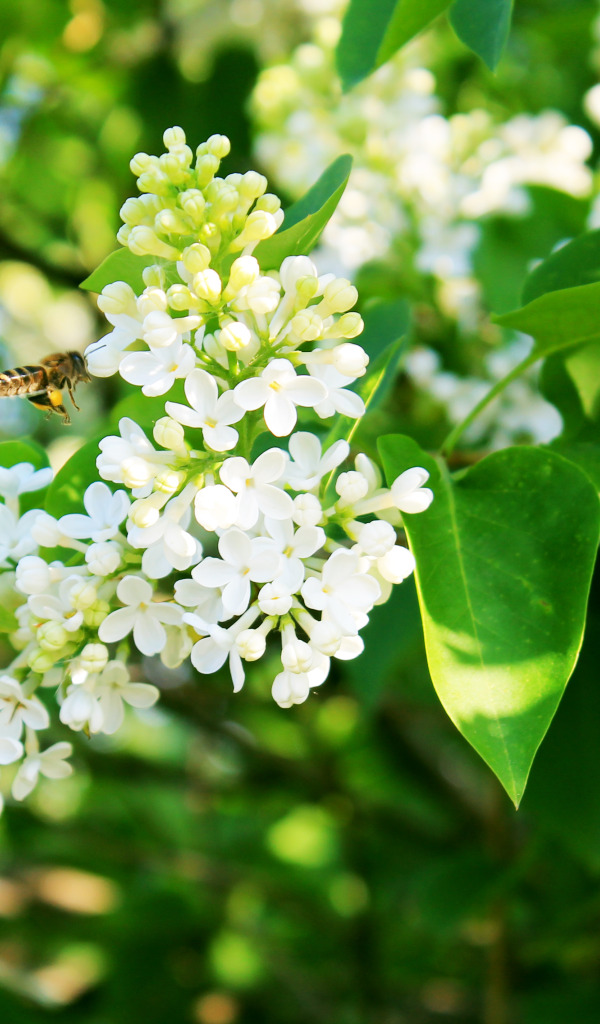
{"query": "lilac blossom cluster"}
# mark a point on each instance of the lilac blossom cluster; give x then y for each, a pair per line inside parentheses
(207, 540)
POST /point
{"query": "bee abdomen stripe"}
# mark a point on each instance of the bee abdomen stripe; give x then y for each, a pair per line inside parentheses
(20, 379)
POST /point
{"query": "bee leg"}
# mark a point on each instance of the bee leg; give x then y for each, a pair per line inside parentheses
(54, 400)
(72, 397)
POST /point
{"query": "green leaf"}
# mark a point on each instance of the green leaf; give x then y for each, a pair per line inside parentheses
(65, 493)
(8, 620)
(305, 220)
(571, 381)
(483, 26)
(577, 263)
(120, 265)
(504, 562)
(373, 32)
(558, 319)
(13, 452)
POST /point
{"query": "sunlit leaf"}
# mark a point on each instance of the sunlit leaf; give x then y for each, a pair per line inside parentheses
(577, 263)
(558, 319)
(121, 265)
(504, 561)
(305, 220)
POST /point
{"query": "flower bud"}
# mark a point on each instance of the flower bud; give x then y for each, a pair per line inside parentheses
(168, 481)
(96, 613)
(118, 297)
(325, 637)
(82, 594)
(144, 513)
(41, 661)
(274, 599)
(244, 271)
(251, 644)
(195, 258)
(51, 636)
(235, 336)
(93, 657)
(297, 656)
(168, 433)
(350, 360)
(193, 204)
(349, 325)
(143, 241)
(218, 145)
(351, 487)
(180, 297)
(252, 185)
(103, 558)
(268, 202)
(174, 137)
(152, 300)
(396, 564)
(33, 575)
(307, 325)
(376, 538)
(207, 286)
(307, 510)
(339, 295)
(207, 166)
(45, 531)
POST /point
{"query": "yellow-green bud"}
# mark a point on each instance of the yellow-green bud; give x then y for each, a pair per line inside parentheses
(268, 202)
(174, 137)
(350, 325)
(235, 336)
(143, 241)
(118, 297)
(307, 325)
(207, 166)
(218, 145)
(168, 433)
(171, 222)
(252, 185)
(207, 286)
(94, 657)
(51, 636)
(82, 594)
(244, 271)
(195, 258)
(153, 277)
(96, 613)
(339, 295)
(194, 203)
(41, 661)
(168, 481)
(180, 297)
(152, 299)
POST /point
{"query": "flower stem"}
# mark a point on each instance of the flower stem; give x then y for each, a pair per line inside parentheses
(497, 389)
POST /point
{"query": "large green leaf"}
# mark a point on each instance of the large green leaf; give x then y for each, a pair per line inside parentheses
(571, 381)
(558, 319)
(121, 265)
(483, 27)
(305, 220)
(504, 562)
(373, 32)
(577, 263)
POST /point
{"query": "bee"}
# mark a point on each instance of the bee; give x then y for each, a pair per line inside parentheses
(42, 384)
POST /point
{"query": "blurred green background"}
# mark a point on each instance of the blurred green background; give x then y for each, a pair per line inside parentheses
(222, 861)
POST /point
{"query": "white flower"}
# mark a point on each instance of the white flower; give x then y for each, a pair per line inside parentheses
(160, 330)
(408, 493)
(376, 538)
(293, 547)
(16, 538)
(338, 398)
(396, 564)
(10, 750)
(50, 762)
(157, 370)
(33, 575)
(242, 561)
(105, 513)
(343, 593)
(141, 615)
(218, 644)
(280, 390)
(309, 463)
(209, 412)
(168, 544)
(114, 686)
(255, 488)
(20, 479)
(206, 601)
(216, 507)
(131, 459)
(81, 709)
(17, 710)
(293, 687)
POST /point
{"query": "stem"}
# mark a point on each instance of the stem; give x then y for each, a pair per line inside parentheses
(497, 389)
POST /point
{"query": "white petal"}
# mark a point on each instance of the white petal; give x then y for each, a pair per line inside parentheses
(274, 502)
(134, 590)
(148, 634)
(280, 414)
(117, 625)
(140, 695)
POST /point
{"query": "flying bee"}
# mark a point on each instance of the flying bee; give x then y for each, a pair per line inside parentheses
(42, 384)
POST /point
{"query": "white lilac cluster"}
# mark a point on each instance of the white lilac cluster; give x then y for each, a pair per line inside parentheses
(215, 534)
